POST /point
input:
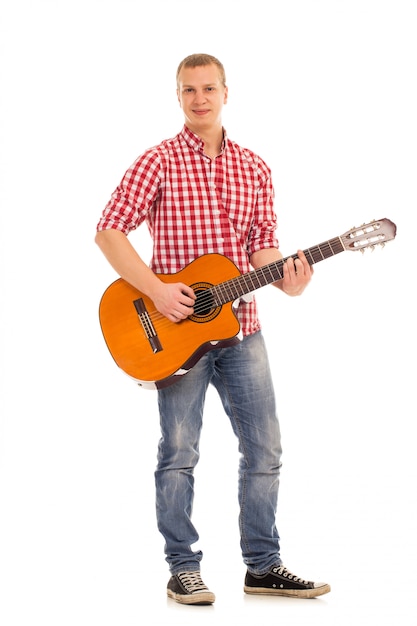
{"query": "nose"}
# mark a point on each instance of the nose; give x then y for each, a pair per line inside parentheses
(199, 97)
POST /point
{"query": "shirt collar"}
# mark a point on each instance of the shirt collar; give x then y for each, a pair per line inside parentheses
(196, 143)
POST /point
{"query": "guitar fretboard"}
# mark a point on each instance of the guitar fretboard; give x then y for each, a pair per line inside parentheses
(234, 288)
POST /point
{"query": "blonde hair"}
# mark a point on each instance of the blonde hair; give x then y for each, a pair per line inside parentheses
(198, 60)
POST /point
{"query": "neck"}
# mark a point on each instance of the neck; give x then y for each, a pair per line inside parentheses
(212, 139)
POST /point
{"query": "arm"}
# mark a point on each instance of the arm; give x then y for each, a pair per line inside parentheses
(263, 243)
(173, 300)
(297, 274)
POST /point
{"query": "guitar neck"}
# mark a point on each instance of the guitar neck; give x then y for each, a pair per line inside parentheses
(234, 288)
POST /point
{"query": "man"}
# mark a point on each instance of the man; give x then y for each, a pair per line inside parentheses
(201, 193)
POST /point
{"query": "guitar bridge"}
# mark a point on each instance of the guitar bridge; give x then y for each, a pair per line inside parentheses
(147, 325)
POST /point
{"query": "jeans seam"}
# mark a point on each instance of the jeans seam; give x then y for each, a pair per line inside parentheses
(244, 482)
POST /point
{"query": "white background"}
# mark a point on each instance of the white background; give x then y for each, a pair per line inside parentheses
(325, 91)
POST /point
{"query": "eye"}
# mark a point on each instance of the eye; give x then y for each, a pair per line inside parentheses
(188, 90)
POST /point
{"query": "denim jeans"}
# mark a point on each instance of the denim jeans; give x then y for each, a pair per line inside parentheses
(241, 375)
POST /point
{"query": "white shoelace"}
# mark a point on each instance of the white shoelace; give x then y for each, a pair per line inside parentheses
(192, 582)
(283, 571)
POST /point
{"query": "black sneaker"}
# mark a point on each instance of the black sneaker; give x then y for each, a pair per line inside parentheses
(188, 588)
(281, 582)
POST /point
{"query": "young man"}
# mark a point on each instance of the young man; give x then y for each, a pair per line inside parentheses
(201, 193)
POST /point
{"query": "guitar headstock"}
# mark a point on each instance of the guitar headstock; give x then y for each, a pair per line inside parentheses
(376, 233)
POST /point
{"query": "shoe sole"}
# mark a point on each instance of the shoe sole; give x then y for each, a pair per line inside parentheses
(292, 593)
(205, 597)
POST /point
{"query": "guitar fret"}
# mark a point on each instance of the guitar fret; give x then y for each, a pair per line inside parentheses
(235, 288)
(223, 295)
(325, 250)
(319, 250)
(238, 286)
(273, 277)
(277, 274)
(338, 245)
(308, 254)
(250, 282)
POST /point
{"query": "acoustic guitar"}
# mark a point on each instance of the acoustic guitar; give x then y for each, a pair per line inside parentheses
(155, 352)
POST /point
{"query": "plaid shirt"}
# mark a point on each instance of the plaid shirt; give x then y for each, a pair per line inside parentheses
(194, 205)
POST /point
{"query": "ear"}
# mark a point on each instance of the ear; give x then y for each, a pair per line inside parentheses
(178, 97)
(226, 93)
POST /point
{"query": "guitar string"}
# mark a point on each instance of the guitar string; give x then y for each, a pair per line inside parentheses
(205, 299)
(231, 284)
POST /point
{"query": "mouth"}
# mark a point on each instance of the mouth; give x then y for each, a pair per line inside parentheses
(200, 112)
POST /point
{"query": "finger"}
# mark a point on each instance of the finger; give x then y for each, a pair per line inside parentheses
(181, 312)
(306, 265)
(290, 268)
(189, 305)
(173, 318)
(298, 266)
(188, 292)
(177, 316)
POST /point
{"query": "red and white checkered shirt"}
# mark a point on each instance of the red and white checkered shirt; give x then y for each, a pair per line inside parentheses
(195, 205)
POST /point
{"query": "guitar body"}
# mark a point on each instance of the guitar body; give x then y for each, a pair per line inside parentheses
(180, 345)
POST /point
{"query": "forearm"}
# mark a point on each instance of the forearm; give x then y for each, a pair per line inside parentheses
(124, 259)
(297, 272)
(264, 257)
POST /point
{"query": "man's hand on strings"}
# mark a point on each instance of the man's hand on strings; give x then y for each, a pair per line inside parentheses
(174, 300)
(297, 275)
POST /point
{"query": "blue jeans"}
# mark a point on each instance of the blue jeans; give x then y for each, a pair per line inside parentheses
(242, 377)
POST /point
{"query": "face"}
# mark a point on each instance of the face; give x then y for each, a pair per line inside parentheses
(201, 96)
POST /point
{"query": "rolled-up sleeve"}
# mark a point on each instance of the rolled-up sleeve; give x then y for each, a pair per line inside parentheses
(264, 224)
(133, 198)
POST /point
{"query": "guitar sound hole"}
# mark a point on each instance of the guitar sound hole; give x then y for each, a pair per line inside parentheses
(205, 308)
